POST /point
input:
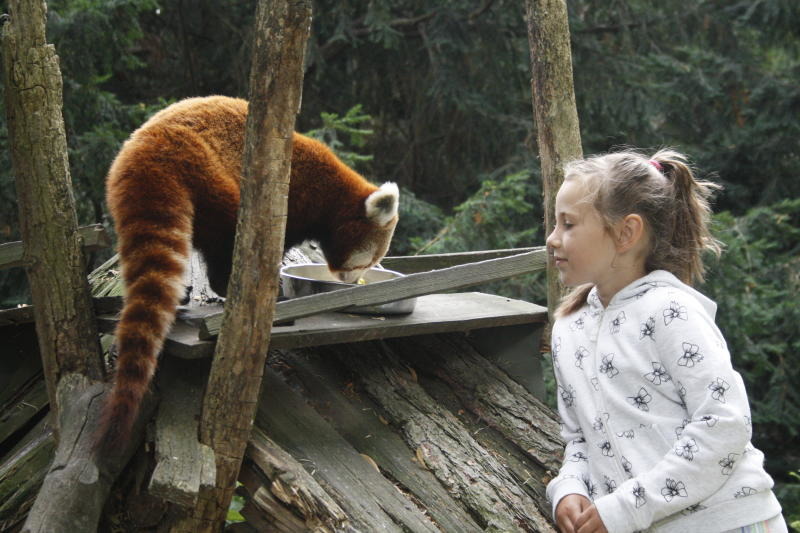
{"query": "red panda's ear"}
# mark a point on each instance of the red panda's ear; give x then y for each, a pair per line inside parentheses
(381, 205)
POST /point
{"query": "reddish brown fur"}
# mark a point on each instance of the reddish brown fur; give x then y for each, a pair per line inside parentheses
(174, 185)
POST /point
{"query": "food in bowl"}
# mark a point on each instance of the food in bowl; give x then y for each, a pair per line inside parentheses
(314, 278)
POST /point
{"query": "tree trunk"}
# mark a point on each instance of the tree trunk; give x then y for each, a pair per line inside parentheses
(77, 482)
(52, 255)
(229, 406)
(555, 114)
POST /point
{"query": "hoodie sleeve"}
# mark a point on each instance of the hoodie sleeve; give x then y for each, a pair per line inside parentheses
(711, 440)
(574, 470)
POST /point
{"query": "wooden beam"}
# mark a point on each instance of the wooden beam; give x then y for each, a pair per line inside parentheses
(451, 278)
(95, 237)
(411, 264)
(79, 480)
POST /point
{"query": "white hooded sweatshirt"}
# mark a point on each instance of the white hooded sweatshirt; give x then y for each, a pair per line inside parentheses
(656, 421)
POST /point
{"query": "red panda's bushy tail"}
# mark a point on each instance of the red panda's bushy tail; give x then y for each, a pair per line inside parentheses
(154, 246)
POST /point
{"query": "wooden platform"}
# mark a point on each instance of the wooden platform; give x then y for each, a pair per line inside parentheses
(434, 313)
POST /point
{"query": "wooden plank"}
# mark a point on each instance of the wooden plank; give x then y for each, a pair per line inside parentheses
(356, 418)
(443, 445)
(106, 280)
(16, 316)
(488, 392)
(20, 362)
(370, 501)
(21, 473)
(95, 237)
(288, 492)
(180, 460)
(411, 264)
(30, 400)
(182, 341)
(397, 289)
(527, 472)
(433, 313)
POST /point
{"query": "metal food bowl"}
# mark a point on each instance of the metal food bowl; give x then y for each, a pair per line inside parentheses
(314, 278)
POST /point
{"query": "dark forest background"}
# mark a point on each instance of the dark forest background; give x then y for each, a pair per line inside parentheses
(435, 95)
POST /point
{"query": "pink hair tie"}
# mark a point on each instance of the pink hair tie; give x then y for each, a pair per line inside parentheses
(656, 164)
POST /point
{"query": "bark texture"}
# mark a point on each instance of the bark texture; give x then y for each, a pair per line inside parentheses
(281, 33)
(78, 481)
(52, 254)
(554, 109)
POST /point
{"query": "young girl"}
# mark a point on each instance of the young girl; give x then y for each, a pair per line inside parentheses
(656, 421)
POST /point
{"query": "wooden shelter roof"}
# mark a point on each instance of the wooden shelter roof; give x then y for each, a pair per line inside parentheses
(426, 422)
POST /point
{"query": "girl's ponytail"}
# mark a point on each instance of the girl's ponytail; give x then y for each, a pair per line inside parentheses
(687, 234)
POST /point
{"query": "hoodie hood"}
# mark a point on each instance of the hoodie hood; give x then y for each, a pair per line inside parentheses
(640, 287)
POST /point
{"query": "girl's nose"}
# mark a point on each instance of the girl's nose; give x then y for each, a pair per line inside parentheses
(552, 241)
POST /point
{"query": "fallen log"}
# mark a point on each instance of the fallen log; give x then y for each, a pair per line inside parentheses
(285, 493)
(488, 392)
(328, 387)
(371, 502)
(76, 465)
(443, 445)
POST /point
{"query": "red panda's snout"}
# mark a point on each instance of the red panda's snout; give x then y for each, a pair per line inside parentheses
(350, 276)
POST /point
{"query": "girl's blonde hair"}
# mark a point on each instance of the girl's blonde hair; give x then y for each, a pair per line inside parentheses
(663, 190)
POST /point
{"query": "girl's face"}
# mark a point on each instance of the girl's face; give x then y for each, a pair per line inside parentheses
(582, 249)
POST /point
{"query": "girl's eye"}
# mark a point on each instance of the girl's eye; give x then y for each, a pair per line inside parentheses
(568, 224)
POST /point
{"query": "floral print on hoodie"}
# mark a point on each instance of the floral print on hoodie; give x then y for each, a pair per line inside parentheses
(655, 419)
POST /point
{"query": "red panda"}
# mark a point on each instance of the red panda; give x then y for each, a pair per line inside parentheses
(175, 185)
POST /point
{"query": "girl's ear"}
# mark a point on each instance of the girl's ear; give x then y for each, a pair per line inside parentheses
(630, 233)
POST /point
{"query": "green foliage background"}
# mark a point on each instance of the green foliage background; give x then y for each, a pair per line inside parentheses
(435, 95)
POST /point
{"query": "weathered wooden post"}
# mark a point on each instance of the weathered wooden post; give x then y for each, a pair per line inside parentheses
(554, 109)
(52, 255)
(76, 485)
(229, 406)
